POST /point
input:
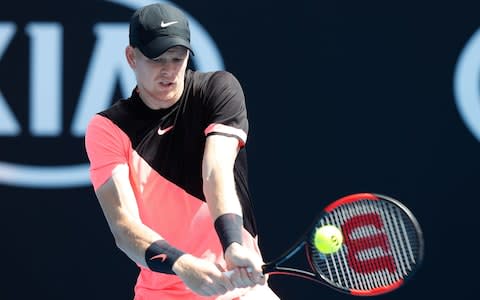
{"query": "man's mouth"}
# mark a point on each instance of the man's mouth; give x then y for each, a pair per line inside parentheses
(166, 83)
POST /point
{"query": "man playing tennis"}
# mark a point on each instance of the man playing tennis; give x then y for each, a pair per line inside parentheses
(168, 166)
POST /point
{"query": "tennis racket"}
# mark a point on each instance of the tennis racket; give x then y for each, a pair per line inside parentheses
(382, 247)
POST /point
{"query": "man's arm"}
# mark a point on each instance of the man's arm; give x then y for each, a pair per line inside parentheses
(119, 206)
(218, 178)
(225, 208)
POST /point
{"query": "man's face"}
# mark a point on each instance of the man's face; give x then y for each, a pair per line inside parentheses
(160, 80)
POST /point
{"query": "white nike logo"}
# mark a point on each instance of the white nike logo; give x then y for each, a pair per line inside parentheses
(163, 131)
(163, 25)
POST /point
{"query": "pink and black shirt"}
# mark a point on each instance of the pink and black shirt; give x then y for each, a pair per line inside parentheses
(164, 151)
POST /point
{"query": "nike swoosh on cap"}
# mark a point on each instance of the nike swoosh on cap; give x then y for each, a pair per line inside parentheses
(163, 131)
(163, 24)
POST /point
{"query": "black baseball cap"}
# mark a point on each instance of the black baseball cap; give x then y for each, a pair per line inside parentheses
(157, 27)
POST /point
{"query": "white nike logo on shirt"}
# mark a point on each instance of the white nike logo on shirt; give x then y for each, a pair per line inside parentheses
(163, 25)
(163, 131)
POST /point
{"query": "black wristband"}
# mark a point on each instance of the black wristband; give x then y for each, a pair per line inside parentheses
(229, 229)
(160, 257)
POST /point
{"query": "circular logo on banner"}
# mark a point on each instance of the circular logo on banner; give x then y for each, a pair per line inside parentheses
(466, 84)
(106, 70)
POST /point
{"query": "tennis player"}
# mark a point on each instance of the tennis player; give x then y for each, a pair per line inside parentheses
(169, 169)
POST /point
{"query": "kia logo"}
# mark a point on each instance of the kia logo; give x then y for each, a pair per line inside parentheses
(106, 70)
(466, 84)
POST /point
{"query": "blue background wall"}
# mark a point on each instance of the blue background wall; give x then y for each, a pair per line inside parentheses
(344, 97)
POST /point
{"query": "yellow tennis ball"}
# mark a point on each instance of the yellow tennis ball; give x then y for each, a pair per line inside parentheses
(328, 239)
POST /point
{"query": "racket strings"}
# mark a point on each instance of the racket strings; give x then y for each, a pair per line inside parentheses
(381, 246)
(371, 250)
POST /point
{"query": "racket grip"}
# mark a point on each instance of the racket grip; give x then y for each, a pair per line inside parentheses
(229, 273)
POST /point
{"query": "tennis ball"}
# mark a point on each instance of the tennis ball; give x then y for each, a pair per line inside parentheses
(328, 239)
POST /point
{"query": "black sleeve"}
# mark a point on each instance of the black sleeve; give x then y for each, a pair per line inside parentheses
(225, 103)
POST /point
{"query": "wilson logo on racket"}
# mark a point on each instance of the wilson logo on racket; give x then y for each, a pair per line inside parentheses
(363, 233)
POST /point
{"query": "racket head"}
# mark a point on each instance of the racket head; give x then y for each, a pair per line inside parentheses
(383, 245)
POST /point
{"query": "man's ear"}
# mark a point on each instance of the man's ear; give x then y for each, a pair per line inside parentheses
(130, 55)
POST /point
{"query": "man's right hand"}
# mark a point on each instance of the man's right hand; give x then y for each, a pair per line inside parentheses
(201, 276)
